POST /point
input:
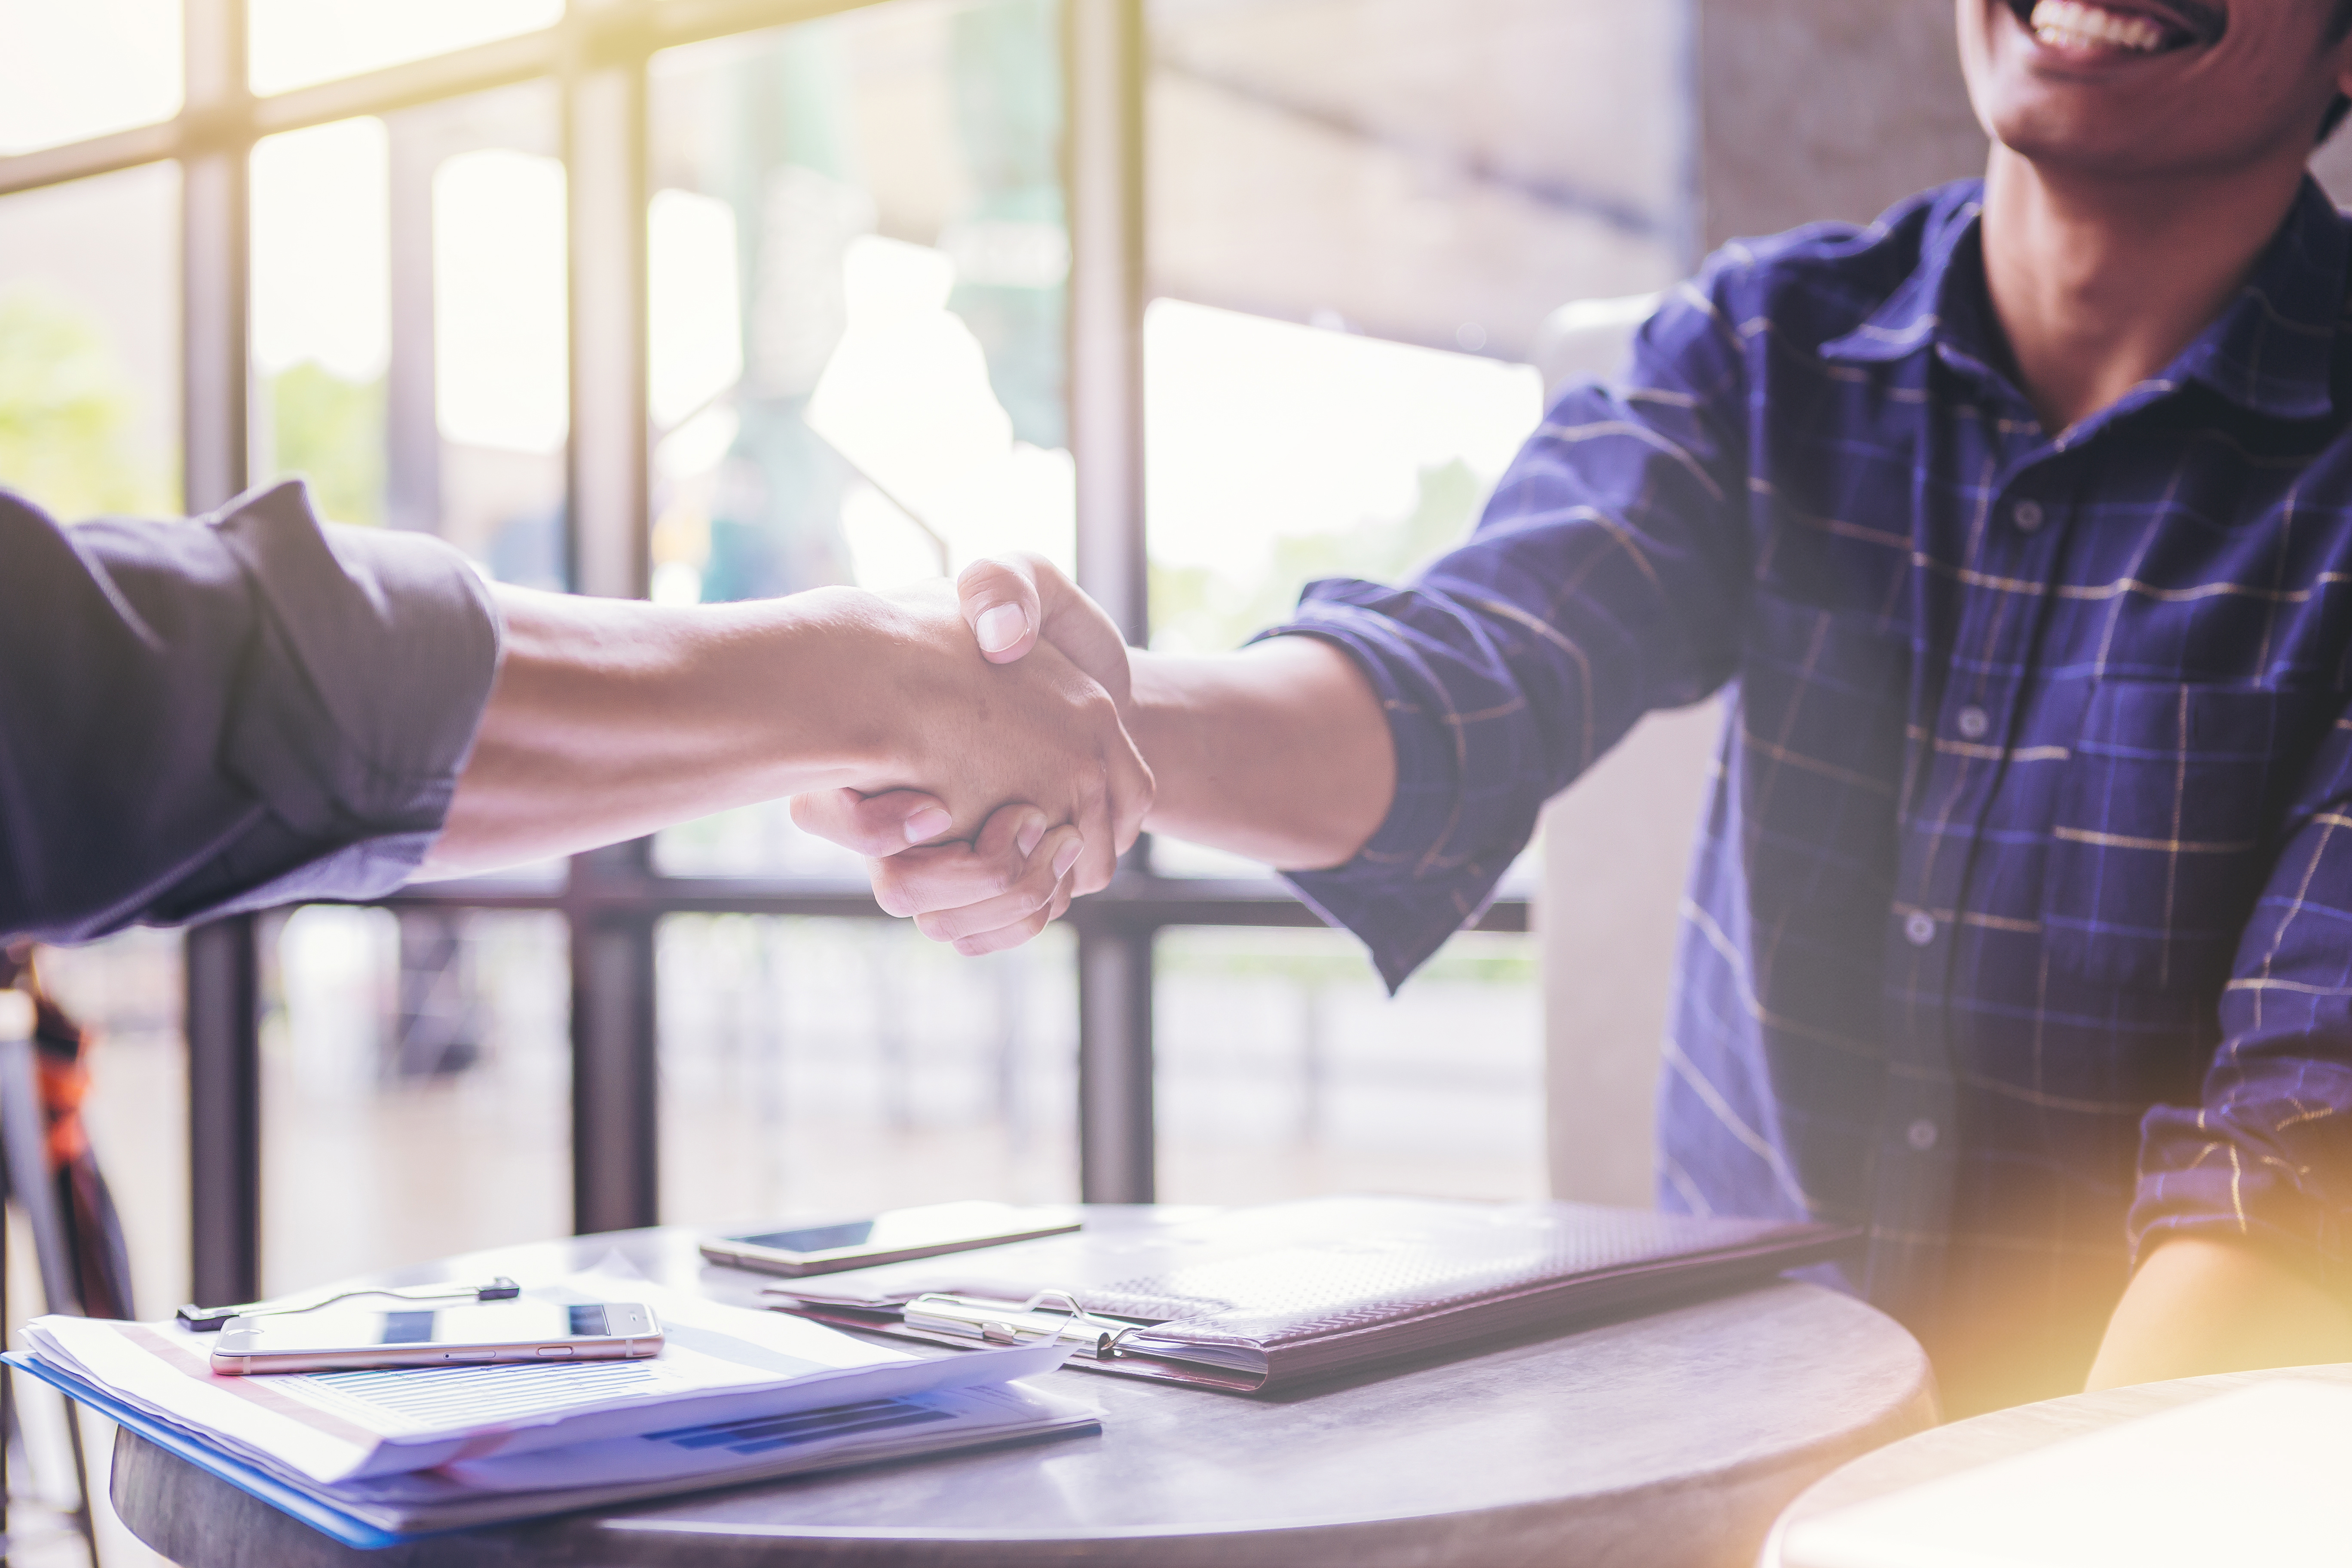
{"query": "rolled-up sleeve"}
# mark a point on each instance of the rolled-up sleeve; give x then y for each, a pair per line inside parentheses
(2266, 1150)
(1606, 579)
(219, 714)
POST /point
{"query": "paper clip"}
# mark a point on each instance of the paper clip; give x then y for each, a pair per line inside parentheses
(1052, 1315)
(208, 1319)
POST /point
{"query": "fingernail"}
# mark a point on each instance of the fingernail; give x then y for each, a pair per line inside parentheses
(1066, 856)
(1031, 832)
(928, 823)
(1000, 626)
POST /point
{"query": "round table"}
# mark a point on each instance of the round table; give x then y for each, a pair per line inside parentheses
(2003, 1434)
(1663, 1440)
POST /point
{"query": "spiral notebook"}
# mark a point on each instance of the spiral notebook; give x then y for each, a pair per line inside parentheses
(1252, 1299)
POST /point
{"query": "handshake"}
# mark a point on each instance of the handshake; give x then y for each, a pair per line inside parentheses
(1066, 790)
(992, 750)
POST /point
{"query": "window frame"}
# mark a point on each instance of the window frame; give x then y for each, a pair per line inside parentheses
(613, 899)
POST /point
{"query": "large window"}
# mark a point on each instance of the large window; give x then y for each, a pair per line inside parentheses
(709, 299)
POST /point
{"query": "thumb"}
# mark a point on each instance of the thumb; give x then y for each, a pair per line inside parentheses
(999, 600)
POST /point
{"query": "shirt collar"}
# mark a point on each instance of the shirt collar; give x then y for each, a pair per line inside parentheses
(2272, 350)
(1914, 316)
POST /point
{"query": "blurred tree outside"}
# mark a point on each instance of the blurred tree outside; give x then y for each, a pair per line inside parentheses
(1197, 609)
(66, 410)
(331, 431)
(808, 166)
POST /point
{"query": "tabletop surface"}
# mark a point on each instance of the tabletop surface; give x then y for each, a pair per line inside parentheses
(2004, 1434)
(1662, 1440)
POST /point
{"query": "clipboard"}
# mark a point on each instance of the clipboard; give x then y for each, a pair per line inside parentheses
(1250, 1299)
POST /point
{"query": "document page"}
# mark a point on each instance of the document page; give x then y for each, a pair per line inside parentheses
(618, 1470)
(717, 1363)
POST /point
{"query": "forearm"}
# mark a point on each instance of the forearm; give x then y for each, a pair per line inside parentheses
(1280, 751)
(2204, 1304)
(612, 718)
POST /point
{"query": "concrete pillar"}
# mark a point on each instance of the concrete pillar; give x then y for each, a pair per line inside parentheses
(1825, 109)
(1616, 851)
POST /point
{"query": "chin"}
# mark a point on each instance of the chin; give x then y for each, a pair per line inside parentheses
(2064, 136)
(2142, 89)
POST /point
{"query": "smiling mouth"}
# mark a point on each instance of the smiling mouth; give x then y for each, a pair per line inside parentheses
(2074, 28)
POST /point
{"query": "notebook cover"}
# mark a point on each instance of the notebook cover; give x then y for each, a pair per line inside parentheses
(355, 1532)
(245, 1478)
(1329, 1285)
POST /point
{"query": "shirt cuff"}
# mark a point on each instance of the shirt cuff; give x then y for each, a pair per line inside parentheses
(376, 651)
(2256, 1169)
(1404, 893)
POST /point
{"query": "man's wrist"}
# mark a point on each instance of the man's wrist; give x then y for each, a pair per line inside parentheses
(849, 689)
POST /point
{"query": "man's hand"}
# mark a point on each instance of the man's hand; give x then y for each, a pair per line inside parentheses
(1281, 751)
(1042, 733)
(1005, 884)
(2203, 1304)
(1014, 602)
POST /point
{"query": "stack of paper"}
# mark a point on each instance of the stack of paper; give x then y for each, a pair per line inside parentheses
(735, 1395)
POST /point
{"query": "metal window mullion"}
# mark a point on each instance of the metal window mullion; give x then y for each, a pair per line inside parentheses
(1103, 67)
(222, 959)
(616, 1156)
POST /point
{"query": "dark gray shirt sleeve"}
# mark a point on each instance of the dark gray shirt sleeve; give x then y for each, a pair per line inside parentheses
(227, 712)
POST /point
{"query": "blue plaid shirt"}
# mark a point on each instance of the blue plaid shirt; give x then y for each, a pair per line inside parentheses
(2019, 926)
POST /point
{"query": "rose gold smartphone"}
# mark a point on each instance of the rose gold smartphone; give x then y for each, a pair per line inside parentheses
(466, 1334)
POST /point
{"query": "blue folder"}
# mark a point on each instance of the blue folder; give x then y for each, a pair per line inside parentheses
(323, 1517)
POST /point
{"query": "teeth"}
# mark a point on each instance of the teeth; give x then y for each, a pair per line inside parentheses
(2069, 23)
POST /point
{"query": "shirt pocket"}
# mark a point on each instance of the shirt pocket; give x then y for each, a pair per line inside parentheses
(2162, 832)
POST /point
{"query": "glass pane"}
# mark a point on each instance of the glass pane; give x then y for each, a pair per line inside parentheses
(90, 345)
(1366, 215)
(409, 287)
(417, 1087)
(128, 991)
(1284, 1069)
(857, 263)
(1371, 222)
(831, 1067)
(296, 42)
(857, 257)
(81, 70)
(320, 313)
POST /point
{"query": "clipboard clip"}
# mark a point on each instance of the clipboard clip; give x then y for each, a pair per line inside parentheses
(1052, 1316)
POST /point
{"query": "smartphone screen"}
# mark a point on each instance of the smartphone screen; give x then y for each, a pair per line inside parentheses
(466, 1323)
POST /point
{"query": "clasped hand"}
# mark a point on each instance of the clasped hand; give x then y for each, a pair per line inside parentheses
(1044, 842)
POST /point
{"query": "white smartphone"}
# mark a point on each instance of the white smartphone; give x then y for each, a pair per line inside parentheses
(890, 1236)
(466, 1334)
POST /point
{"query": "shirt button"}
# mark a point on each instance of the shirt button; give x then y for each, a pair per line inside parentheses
(1919, 928)
(1974, 721)
(2027, 515)
(1921, 1135)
